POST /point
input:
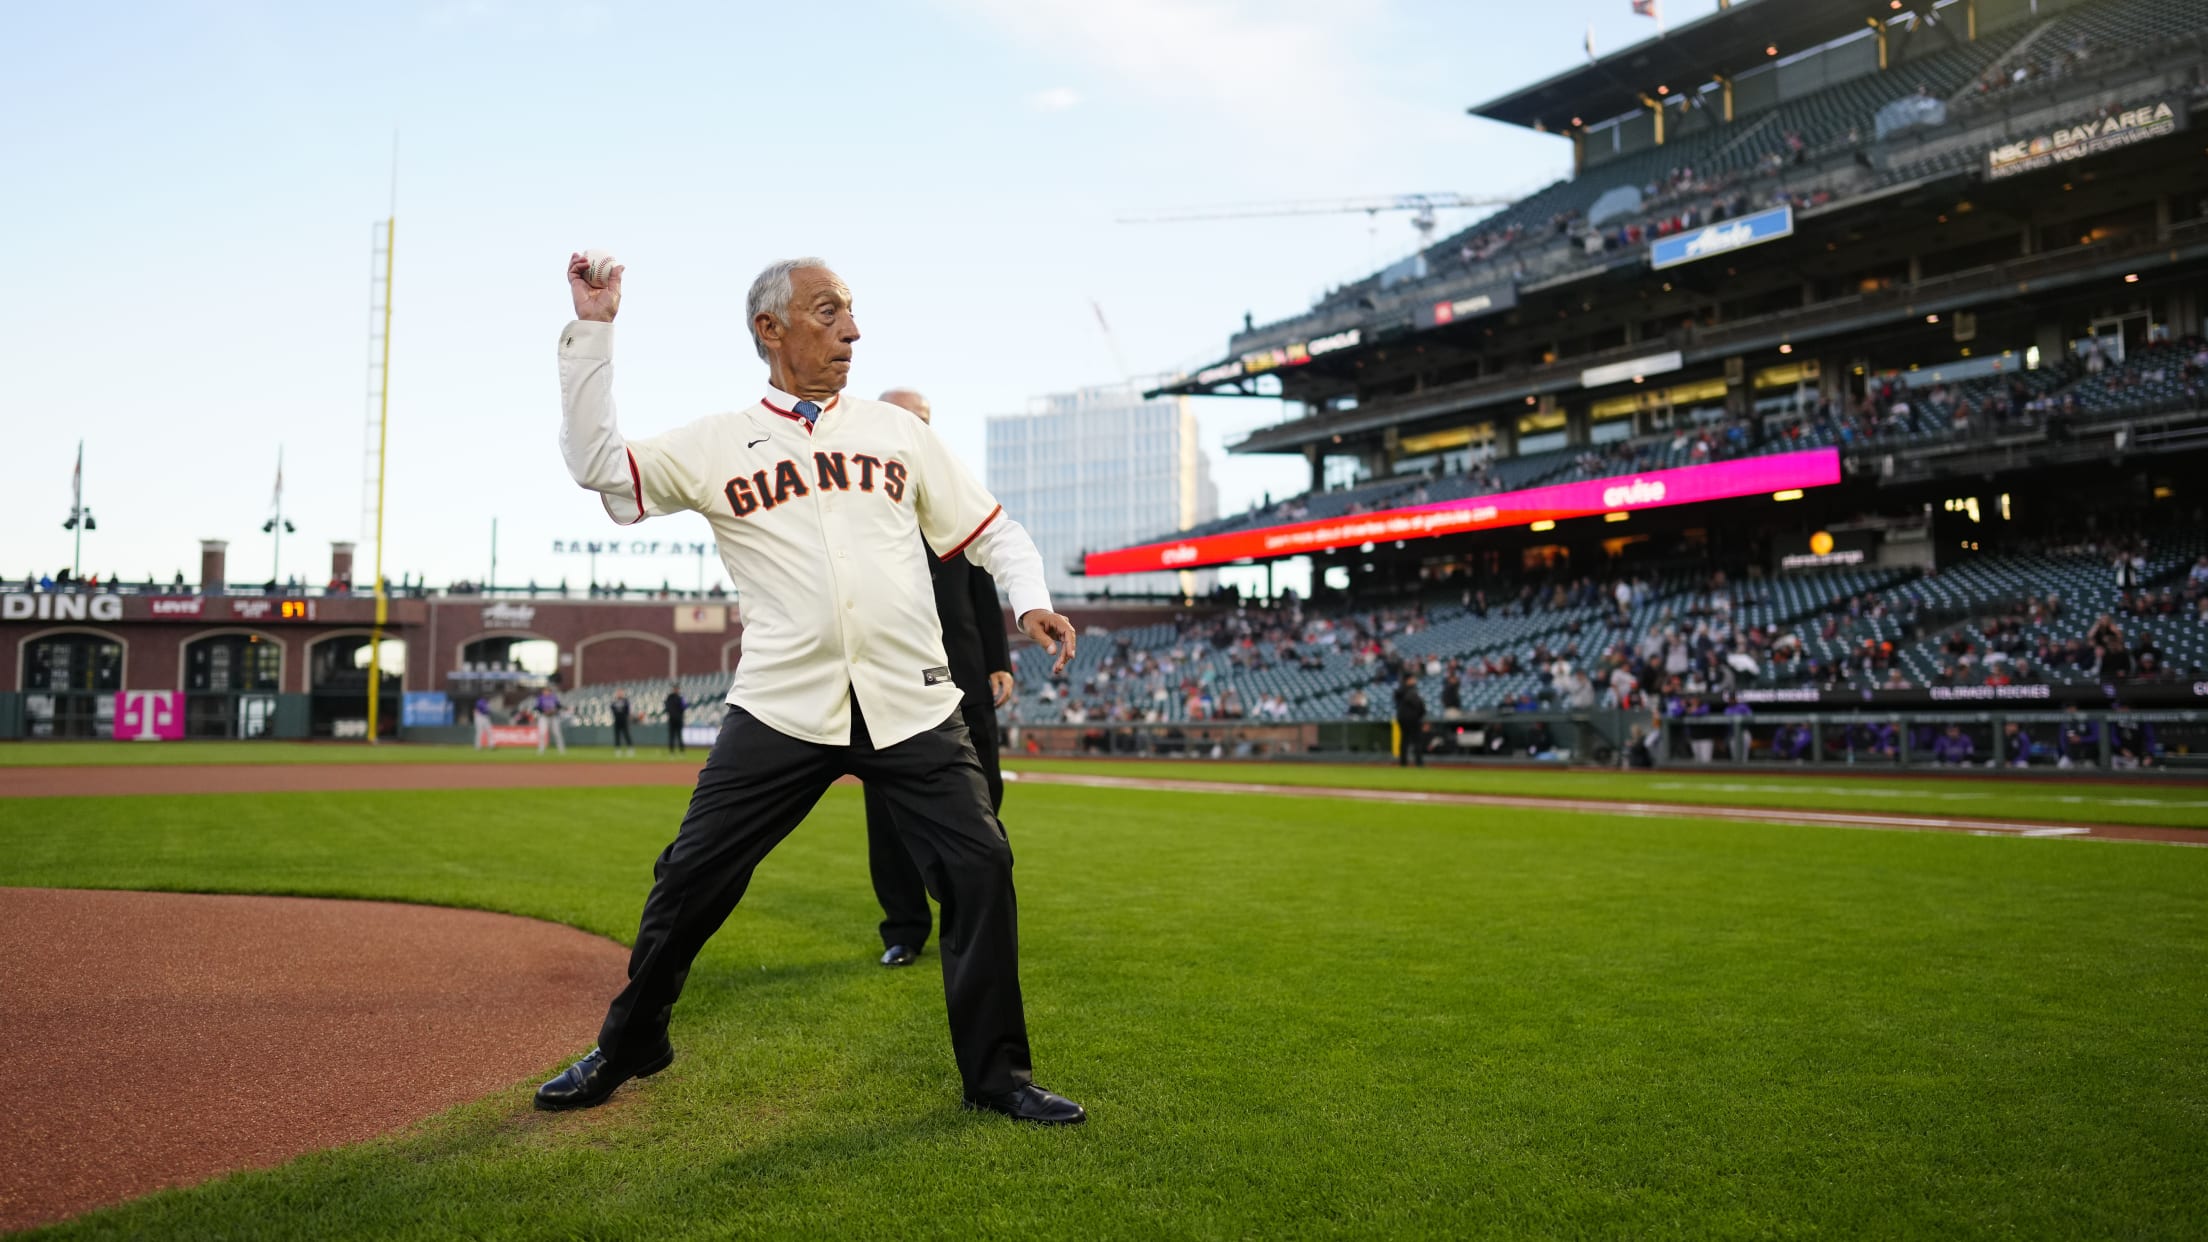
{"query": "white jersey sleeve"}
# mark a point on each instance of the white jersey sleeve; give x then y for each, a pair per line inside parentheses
(959, 517)
(636, 479)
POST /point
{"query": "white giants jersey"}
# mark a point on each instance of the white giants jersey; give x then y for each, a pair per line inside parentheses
(820, 526)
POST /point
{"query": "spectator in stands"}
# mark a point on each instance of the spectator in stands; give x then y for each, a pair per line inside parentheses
(673, 705)
(1410, 720)
(1359, 706)
(623, 743)
(1953, 747)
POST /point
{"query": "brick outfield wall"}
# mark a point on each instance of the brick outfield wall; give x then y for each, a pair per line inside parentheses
(607, 640)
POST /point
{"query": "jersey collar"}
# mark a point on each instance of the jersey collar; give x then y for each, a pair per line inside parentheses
(785, 405)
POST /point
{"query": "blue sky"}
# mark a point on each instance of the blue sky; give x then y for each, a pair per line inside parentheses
(191, 189)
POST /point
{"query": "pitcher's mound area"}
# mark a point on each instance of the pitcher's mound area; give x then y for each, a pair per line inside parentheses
(160, 1039)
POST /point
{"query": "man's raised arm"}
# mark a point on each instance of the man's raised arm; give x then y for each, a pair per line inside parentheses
(634, 480)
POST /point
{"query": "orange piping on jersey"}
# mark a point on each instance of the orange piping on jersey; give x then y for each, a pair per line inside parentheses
(976, 535)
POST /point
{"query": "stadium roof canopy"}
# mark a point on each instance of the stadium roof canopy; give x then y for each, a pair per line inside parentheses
(1727, 41)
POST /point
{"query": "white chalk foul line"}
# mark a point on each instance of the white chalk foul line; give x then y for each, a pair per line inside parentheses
(1651, 810)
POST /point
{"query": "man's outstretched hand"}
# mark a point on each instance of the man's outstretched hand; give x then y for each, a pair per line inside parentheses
(593, 303)
(1053, 632)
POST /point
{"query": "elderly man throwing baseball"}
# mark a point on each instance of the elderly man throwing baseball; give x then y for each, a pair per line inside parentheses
(819, 503)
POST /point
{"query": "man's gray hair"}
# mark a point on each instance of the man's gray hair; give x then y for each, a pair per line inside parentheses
(770, 295)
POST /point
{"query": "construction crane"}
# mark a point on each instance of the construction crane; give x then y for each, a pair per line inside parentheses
(1421, 206)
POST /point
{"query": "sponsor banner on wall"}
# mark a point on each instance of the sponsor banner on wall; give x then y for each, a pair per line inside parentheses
(176, 605)
(59, 606)
(423, 709)
(1716, 239)
(1819, 549)
(701, 619)
(1631, 369)
(2090, 134)
(701, 735)
(1471, 306)
(149, 716)
(1653, 490)
(2034, 698)
(510, 735)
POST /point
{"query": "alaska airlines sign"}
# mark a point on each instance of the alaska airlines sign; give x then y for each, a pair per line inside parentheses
(1717, 239)
(1652, 490)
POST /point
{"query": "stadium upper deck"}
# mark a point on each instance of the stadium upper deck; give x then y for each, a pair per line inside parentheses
(1966, 189)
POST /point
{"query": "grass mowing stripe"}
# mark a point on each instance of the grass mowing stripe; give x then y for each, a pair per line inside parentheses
(2109, 802)
(1291, 1017)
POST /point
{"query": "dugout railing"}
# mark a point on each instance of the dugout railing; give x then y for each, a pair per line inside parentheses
(2105, 741)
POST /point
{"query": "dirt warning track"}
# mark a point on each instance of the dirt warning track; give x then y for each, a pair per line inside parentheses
(161, 1039)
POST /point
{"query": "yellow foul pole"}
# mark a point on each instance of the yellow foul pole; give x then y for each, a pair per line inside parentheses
(383, 438)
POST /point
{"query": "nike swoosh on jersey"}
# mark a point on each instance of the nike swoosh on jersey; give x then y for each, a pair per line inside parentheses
(756, 443)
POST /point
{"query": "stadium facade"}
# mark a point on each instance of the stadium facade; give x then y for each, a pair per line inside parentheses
(1785, 222)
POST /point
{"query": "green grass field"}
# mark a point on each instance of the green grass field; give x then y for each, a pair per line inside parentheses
(115, 754)
(2070, 797)
(2170, 805)
(1289, 1017)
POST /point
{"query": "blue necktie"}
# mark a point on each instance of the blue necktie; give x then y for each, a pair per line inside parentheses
(808, 411)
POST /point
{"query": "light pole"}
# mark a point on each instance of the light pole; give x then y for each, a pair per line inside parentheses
(278, 526)
(80, 518)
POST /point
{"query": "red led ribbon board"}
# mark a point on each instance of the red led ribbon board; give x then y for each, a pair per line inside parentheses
(1655, 489)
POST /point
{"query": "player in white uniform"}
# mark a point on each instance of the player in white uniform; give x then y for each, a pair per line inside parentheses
(818, 502)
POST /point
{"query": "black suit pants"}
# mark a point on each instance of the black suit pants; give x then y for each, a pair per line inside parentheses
(754, 789)
(897, 884)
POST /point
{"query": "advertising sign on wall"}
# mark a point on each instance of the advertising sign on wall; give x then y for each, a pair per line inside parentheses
(1717, 239)
(2091, 134)
(149, 716)
(422, 709)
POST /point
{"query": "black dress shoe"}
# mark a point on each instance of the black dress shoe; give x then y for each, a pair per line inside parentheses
(899, 955)
(588, 1082)
(1031, 1103)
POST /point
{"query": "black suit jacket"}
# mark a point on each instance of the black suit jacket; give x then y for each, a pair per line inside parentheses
(973, 624)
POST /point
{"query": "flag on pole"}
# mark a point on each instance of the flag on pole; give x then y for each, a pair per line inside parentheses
(276, 499)
(76, 481)
(1649, 8)
(1590, 41)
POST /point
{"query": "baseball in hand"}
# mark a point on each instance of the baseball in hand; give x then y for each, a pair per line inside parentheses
(598, 268)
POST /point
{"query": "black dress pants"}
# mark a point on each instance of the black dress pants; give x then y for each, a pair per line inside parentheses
(1414, 744)
(754, 789)
(621, 734)
(906, 918)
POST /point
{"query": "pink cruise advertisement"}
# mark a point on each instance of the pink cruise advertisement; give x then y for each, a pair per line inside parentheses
(1651, 490)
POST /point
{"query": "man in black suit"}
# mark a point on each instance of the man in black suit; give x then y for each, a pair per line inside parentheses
(1410, 720)
(981, 667)
(674, 706)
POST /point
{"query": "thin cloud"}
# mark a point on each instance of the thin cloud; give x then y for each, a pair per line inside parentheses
(1278, 67)
(1056, 99)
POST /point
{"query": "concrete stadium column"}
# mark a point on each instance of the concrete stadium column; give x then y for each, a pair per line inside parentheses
(2048, 336)
(2162, 217)
(1317, 461)
(1578, 426)
(341, 562)
(214, 554)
